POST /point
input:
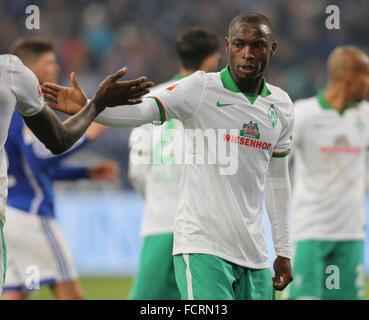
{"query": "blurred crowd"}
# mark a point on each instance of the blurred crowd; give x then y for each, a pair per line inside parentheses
(95, 38)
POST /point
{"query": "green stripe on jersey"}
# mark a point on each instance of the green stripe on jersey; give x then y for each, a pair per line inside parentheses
(281, 154)
(163, 117)
(178, 77)
(37, 113)
(326, 106)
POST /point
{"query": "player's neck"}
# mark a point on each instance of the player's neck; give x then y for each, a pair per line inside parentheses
(249, 85)
(185, 72)
(336, 97)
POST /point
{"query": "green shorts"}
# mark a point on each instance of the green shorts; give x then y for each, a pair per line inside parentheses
(208, 277)
(155, 279)
(329, 270)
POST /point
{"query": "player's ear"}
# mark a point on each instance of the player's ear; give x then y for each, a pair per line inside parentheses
(348, 76)
(273, 49)
(227, 43)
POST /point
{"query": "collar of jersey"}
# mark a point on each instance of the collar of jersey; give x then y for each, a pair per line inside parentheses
(326, 106)
(228, 83)
(178, 77)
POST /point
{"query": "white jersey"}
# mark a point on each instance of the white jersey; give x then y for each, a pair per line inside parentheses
(161, 181)
(217, 214)
(330, 170)
(18, 87)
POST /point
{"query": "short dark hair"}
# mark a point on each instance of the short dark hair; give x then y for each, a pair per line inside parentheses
(29, 50)
(194, 44)
(252, 17)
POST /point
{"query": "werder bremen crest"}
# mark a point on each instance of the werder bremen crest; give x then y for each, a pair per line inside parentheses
(272, 114)
(250, 130)
(341, 142)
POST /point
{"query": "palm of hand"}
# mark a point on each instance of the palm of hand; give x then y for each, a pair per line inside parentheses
(71, 100)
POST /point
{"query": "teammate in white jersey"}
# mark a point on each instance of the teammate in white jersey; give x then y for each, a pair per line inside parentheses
(31, 231)
(197, 49)
(219, 243)
(331, 137)
(19, 87)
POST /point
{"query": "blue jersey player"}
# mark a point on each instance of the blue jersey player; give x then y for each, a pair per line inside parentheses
(34, 240)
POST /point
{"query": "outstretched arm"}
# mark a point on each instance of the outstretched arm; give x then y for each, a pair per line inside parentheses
(40, 157)
(177, 102)
(72, 100)
(130, 116)
(277, 196)
(58, 137)
(103, 171)
(62, 172)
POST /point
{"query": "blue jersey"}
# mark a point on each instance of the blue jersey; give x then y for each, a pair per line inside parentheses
(33, 169)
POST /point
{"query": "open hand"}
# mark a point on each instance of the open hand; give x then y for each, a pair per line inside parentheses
(283, 273)
(112, 92)
(68, 100)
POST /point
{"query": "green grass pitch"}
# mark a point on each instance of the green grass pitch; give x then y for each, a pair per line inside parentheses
(112, 289)
(95, 289)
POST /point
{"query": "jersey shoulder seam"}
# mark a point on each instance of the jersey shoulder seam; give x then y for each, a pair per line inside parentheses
(204, 79)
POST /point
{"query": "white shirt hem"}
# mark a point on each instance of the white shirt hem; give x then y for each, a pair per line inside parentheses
(145, 234)
(239, 262)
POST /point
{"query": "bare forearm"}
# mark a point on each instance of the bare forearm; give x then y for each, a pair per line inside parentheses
(59, 137)
(75, 126)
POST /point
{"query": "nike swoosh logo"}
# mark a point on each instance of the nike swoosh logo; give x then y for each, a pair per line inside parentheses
(223, 104)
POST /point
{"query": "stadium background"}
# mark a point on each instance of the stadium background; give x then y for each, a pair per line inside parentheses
(95, 38)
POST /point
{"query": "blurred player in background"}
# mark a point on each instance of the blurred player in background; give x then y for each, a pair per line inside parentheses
(33, 237)
(331, 137)
(20, 88)
(219, 243)
(198, 49)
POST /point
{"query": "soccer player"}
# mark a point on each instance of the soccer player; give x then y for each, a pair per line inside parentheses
(219, 243)
(33, 237)
(198, 49)
(31, 231)
(19, 88)
(331, 137)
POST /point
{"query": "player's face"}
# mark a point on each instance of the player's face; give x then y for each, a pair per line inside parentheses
(249, 48)
(46, 69)
(359, 86)
(358, 81)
